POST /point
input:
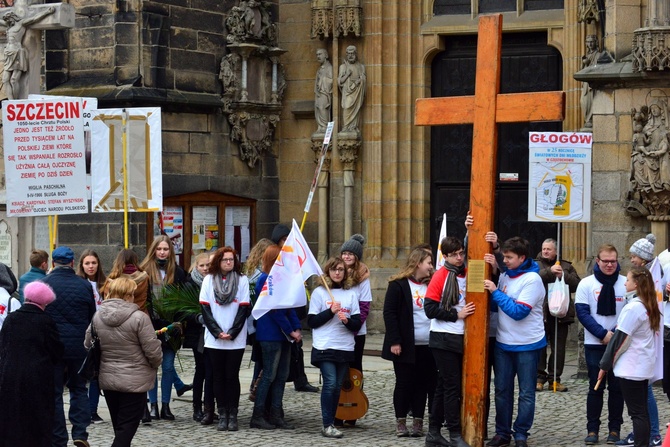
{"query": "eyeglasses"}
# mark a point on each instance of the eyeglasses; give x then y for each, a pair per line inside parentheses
(337, 270)
(228, 260)
(458, 254)
(608, 261)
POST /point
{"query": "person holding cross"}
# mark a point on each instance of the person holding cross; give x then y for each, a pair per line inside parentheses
(15, 55)
(520, 337)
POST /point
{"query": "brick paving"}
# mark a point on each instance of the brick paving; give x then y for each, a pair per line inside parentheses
(559, 419)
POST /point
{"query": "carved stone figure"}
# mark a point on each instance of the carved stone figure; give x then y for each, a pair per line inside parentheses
(323, 90)
(229, 79)
(15, 55)
(250, 21)
(649, 193)
(352, 82)
(589, 59)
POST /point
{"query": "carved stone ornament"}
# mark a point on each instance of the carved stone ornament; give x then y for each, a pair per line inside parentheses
(253, 79)
(348, 149)
(317, 146)
(322, 18)
(651, 47)
(250, 21)
(253, 132)
(649, 193)
(348, 17)
(588, 11)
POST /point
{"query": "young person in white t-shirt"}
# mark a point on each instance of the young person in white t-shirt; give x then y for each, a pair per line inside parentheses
(406, 341)
(226, 305)
(631, 352)
(334, 317)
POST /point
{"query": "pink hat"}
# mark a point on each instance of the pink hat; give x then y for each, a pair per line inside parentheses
(39, 293)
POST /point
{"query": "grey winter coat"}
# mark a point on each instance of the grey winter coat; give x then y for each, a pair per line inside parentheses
(131, 353)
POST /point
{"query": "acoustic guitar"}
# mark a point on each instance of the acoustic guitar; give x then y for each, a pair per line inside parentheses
(353, 402)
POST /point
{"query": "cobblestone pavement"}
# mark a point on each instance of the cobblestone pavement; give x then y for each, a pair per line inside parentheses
(559, 419)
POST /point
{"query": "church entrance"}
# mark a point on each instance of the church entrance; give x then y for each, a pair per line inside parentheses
(528, 65)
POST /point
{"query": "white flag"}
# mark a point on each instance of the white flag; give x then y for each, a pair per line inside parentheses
(657, 275)
(439, 259)
(285, 285)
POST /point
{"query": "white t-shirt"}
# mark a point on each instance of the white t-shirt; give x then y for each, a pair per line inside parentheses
(333, 334)
(529, 290)
(421, 321)
(451, 327)
(588, 291)
(559, 189)
(225, 314)
(4, 305)
(364, 294)
(96, 294)
(636, 362)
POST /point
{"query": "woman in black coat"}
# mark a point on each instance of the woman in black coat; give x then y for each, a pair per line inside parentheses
(406, 341)
(29, 350)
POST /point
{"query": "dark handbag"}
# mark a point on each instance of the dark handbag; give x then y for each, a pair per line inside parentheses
(90, 369)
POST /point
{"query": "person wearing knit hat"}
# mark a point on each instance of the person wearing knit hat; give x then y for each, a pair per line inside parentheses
(359, 274)
(31, 349)
(642, 251)
(279, 234)
(39, 294)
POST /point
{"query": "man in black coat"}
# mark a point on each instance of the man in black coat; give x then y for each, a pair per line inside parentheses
(72, 312)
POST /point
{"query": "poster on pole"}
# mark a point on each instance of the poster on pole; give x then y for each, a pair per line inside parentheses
(143, 158)
(559, 177)
(88, 105)
(45, 164)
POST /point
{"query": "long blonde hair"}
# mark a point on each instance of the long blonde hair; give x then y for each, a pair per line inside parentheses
(416, 257)
(255, 257)
(150, 266)
(197, 259)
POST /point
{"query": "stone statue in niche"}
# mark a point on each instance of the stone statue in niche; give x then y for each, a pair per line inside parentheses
(649, 193)
(15, 54)
(323, 91)
(250, 21)
(229, 80)
(588, 60)
(352, 82)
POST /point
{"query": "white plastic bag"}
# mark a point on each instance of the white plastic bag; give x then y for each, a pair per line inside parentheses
(559, 298)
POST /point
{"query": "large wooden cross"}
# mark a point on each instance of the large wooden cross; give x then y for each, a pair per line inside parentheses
(485, 110)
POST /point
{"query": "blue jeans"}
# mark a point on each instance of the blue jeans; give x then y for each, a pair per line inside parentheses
(508, 364)
(169, 377)
(93, 395)
(276, 362)
(333, 375)
(594, 400)
(79, 414)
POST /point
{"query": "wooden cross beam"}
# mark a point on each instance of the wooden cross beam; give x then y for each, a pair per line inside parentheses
(485, 110)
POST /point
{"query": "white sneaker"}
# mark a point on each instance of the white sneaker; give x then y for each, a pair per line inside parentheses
(331, 432)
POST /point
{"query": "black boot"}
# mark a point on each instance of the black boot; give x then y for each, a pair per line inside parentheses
(146, 419)
(258, 420)
(232, 420)
(166, 413)
(154, 412)
(223, 420)
(277, 419)
(434, 438)
(208, 417)
(197, 412)
(456, 440)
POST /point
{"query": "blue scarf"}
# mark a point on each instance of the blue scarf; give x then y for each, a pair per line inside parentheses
(529, 265)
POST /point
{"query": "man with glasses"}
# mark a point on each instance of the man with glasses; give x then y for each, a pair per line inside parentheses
(445, 305)
(598, 302)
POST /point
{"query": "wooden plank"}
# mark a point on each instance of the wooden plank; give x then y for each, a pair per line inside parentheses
(482, 207)
(441, 111)
(523, 107)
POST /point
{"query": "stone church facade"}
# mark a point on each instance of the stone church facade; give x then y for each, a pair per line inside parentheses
(251, 143)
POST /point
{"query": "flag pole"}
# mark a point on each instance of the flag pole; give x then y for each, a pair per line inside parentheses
(124, 145)
(324, 151)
